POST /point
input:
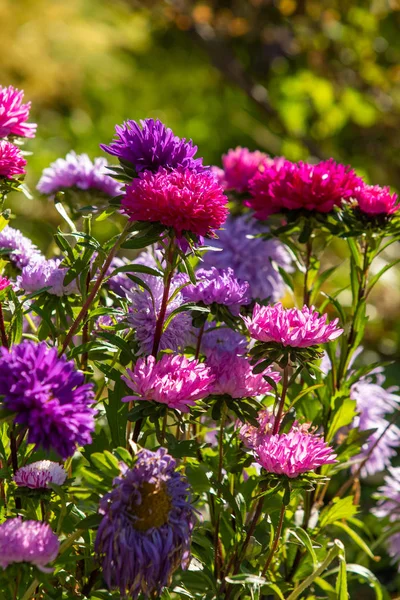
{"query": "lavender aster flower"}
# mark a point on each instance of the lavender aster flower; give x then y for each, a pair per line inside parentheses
(21, 249)
(48, 395)
(222, 339)
(146, 528)
(39, 474)
(253, 259)
(41, 273)
(389, 506)
(152, 145)
(27, 541)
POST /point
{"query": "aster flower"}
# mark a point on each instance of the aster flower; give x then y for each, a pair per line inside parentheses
(78, 171)
(48, 395)
(22, 250)
(239, 167)
(4, 283)
(11, 160)
(41, 273)
(389, 506)
(252, 258)
(218, 286)
(152, 145)
(252, 436)
(174, 380)
(39, 474)
(295, 186)
(291, 327)
(222, 339)
(374, 200)
(27, 541)
(182, 199)
(120, 283)
(14, 114)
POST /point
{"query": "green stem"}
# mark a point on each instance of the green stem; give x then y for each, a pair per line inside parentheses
(3, 335)
(217, 557)
(170, 258)
(307, 292)
(276, 540)
(278, 417)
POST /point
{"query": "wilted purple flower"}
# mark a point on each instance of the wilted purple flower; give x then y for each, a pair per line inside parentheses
(27, 541)
(48, 395)
(152, 145)
(11, 160)
(14, 114)
(374, 200)
(22, 250)
(240, 165)
(253, 259)
(234, 376)
(222, 339)
(39, 474)
(78, 171)
(174, 380)
(41, 273)
(291, 327)
(146, 528)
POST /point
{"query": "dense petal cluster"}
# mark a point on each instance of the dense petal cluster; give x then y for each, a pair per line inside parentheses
(14, 114)
(239, 167)
(374, 200)
(174, 380)
(146, 528)
(22, 250)
(151, 145)
(294, 186)
(182, 199)
(27, 541)
(252, 258)
(39, 474)
(78, 171)
(4, 283)
(41, 273)
(291, 327)
(48, 395)
(219, 286)
(11, 160)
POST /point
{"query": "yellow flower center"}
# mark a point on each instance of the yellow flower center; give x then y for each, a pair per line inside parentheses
(154, 508)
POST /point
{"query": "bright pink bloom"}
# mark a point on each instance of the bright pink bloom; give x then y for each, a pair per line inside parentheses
(375, 200)
(174, 380)
(39, 474)
(293, 453)
(14, 114)
(291, 327)
(294, 186)
(183, 199)
(4, 283)
(240, 165)
(11, 160)
(252, 436)
(234, 376)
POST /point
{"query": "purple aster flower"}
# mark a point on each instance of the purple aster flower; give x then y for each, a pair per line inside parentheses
(291, 327)
(152, 145)
(146, 528)
(174, 380)
(48, 395)
(22, 250)
(219, 286)
(14, 114)
(234, 376)
(252, 259)
(240, 165)
(11, 160)
(222, 339)
(27, 541)
(41, 273)
(39, 474)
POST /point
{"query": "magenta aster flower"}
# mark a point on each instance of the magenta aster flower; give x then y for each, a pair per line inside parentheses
(240, 165)
(291, 327)
(152, 145)
(182, 199)
(295, 186)
(374, 200)
(293, 454)
(27, 541)
(39, 474)
(4, 283)
(11, 160)
(145, 532)
(21, 249)
(174, 380)
(14, 114)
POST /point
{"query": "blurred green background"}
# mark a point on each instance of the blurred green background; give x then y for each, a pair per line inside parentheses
(307, 79)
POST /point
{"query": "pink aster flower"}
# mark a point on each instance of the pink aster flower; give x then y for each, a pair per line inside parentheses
(39, 474)
(234, 376)
(375, 200)
(253, 437)
(183, 199)
(27, 541)
(293, 453)
(14, 114)
(295, 186)
(240, 165)
(174, 380)
(291, 327)
(11, 160)
(4, 283)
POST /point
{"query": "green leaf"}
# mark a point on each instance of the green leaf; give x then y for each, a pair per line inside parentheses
(341, 581)
(341, 508)
(302, 536)
(137, 269)
(377, 277)
(355, 537)
(246, 579)
(345, 411)
(183, 308)
(91, 522)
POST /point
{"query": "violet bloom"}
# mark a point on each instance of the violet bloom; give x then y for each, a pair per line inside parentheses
(240, 165)
(218, 286)
(234, 376)
(48, 395)
(183, 199)
(78, 171)
(27, 541)
(41, 273)
(389, 506)
(174, 380)
(152, 145)
(39, 474)
(11, 160)
(21, 249)
(252, 258)
(374, 200)
(291, 327)
(4, 283)
(221, 339)
(14, 114)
